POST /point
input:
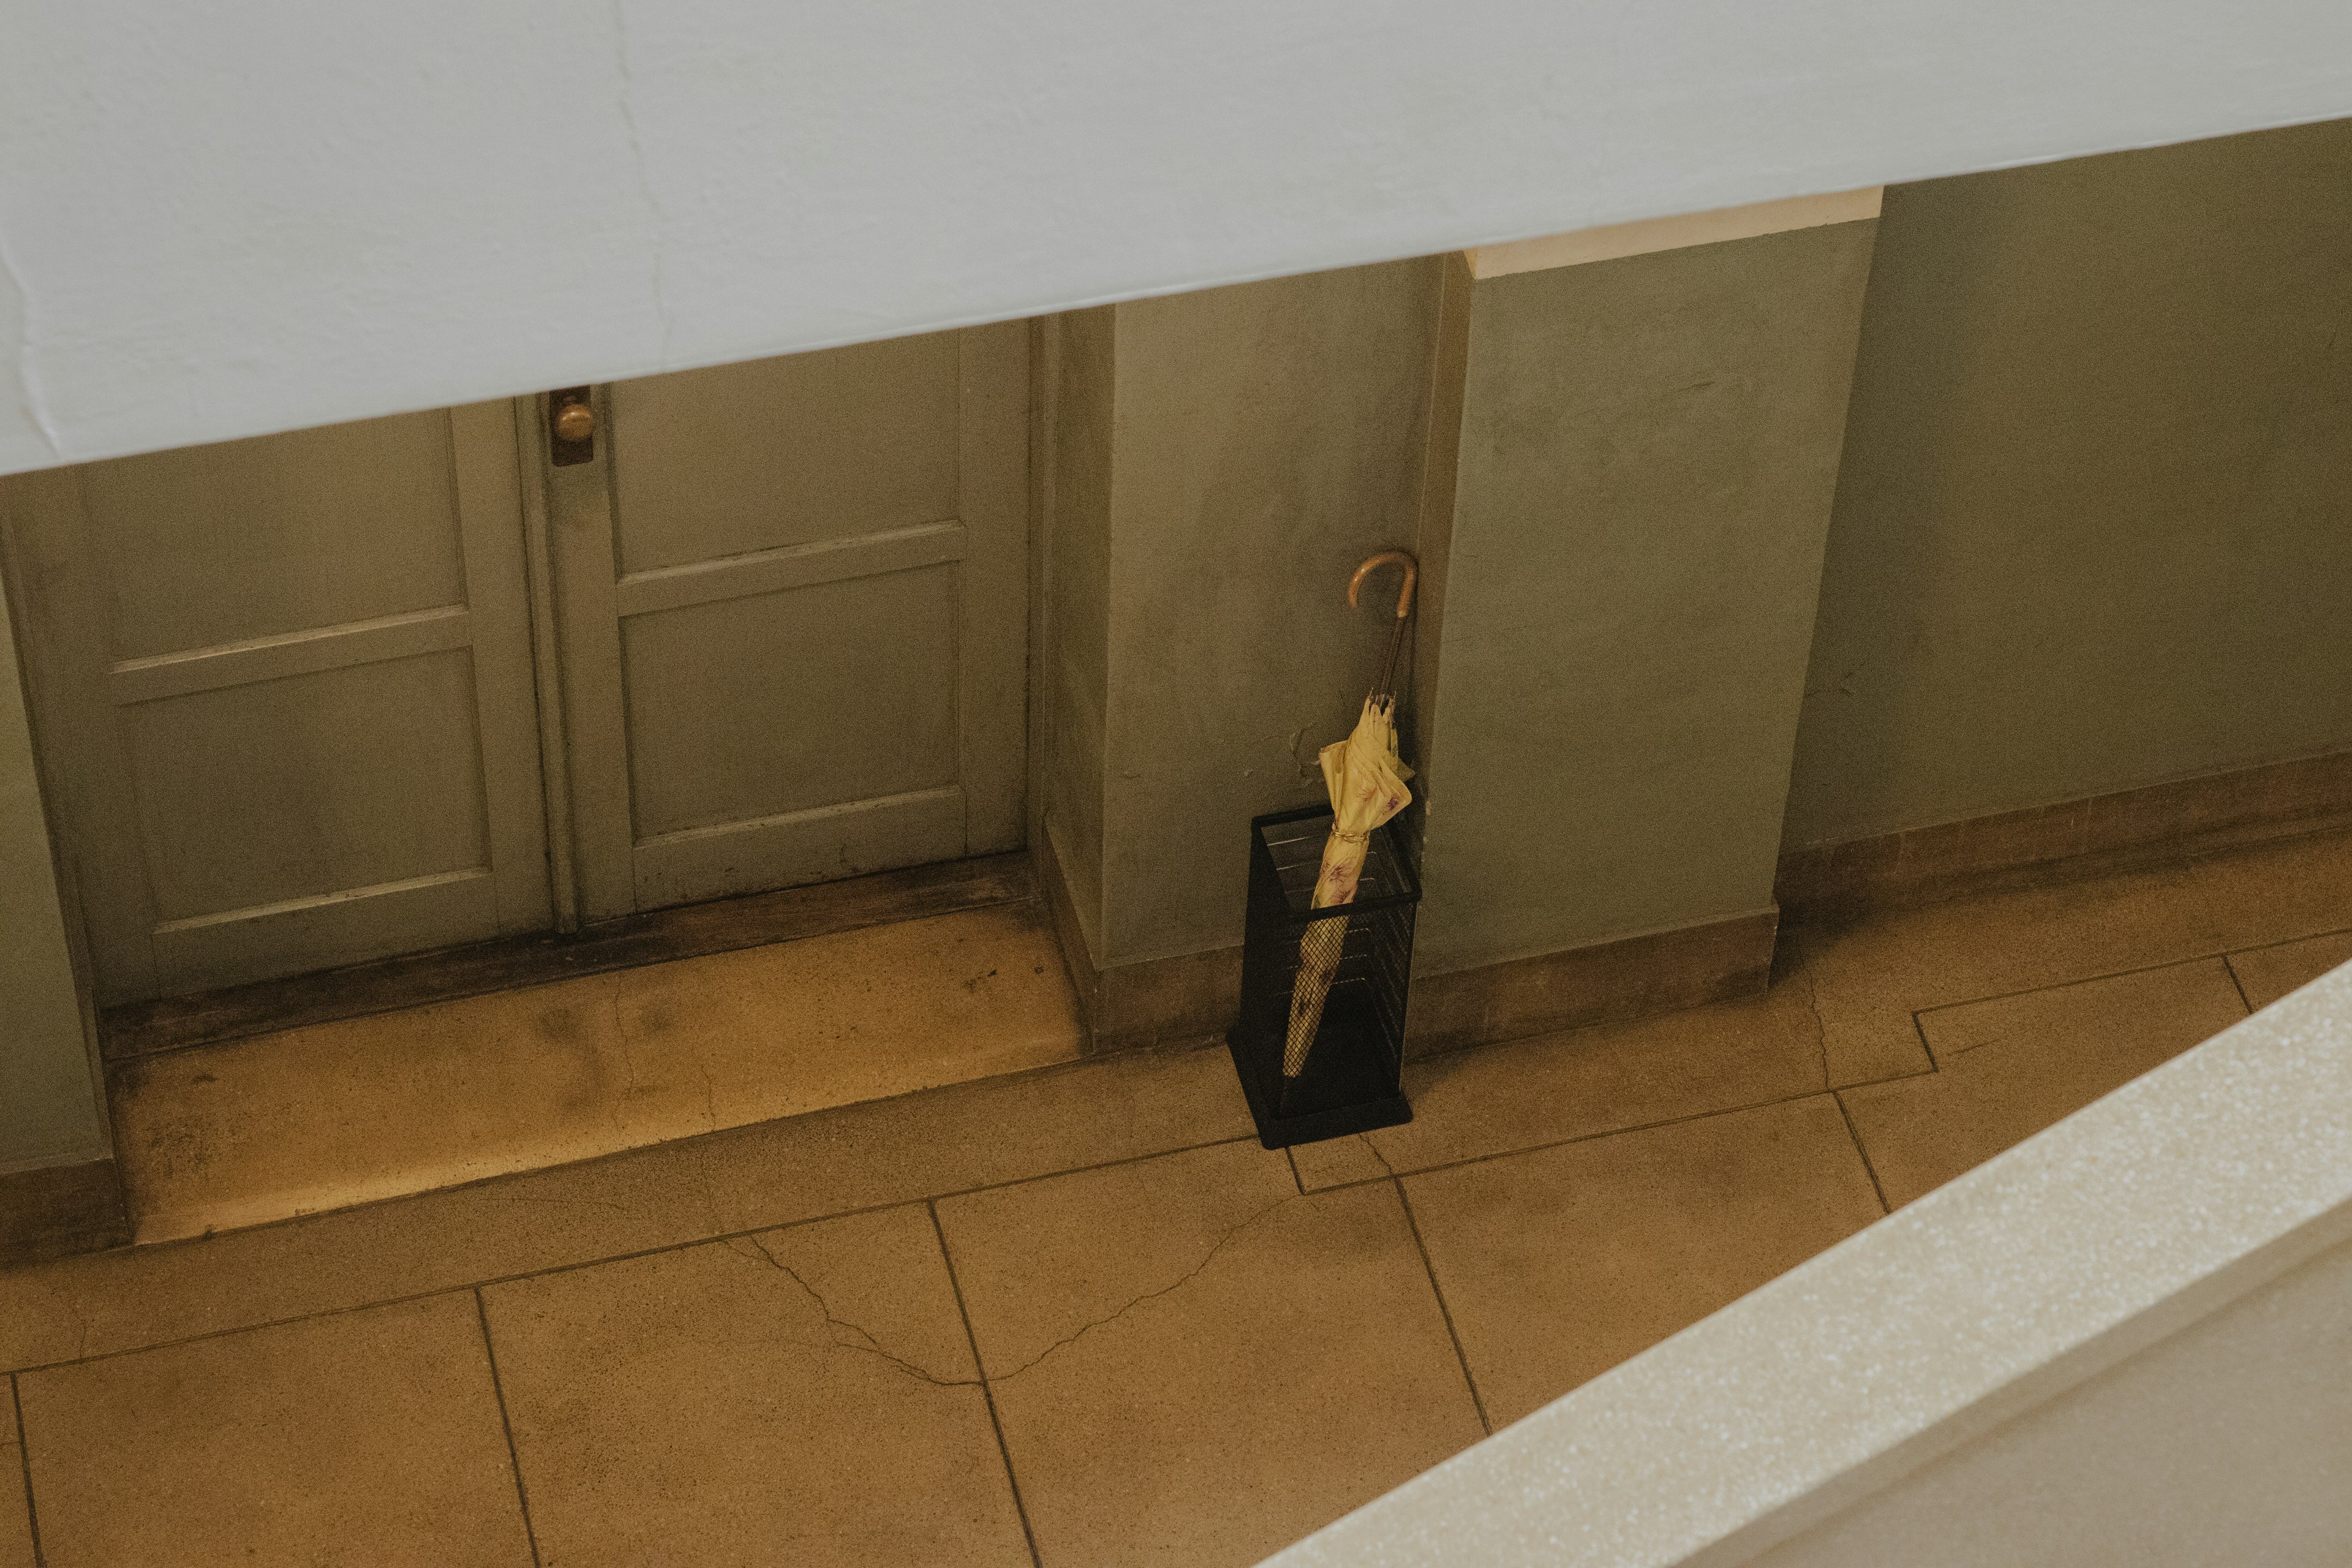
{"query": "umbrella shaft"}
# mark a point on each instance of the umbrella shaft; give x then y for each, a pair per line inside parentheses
(1386, 687)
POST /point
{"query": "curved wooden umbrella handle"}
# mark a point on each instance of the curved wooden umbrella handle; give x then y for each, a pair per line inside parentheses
(1402, 558)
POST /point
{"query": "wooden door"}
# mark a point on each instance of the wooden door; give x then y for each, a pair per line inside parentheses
(285, 696)
(793, 603)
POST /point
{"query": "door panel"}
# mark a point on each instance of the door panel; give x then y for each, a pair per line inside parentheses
(294, 697)
(720, 695)
(720, 462)
(792, 602)
(254, 539)
(286, 687)
(314, 757)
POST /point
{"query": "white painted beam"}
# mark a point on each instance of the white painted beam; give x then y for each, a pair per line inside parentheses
(224, 219)
(2144, 1213)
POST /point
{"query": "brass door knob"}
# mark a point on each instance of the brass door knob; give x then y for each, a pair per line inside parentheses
(575, 422)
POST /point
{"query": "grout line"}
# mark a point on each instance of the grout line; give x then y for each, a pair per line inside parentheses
(1583, 1138)
(2291, 941)
(995, 1424)
(2230, 962)
(24, 1461)
(410, 1299)
(723, 1236)
(506, 1422)
(2223, 954)
(1919, 1027)
(1875, 1082)
(1868, 1169)
(719, 1239)
(1413, 1225)
(1071, 1170)
(1295, 1179)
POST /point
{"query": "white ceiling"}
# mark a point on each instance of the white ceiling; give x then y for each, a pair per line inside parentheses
(222, 219)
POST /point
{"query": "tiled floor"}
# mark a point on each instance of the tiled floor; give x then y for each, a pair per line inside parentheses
(1076, 1316)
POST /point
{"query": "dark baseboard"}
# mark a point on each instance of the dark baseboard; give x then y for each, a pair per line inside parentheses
(690, 931)
(2072, 838)
(1197, 995)
(1605, 982)
(1192, 996)
(1160, 1000)
(60, 1209)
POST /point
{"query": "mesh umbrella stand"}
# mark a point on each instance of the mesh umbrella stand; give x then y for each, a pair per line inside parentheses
(1327, 949)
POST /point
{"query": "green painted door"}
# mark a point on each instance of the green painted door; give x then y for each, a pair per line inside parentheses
(315, 699)
(792, 600)
(284, 687)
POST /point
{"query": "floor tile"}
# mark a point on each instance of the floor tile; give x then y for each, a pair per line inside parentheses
(2267, 974)
(1492, 1099)
(1870, 974)
(777, 1173)
(804, 1396)
(364, 1438)
(1185, 1343)
(1561, 1263)
(365, 1109)
(1339, 1162)
(1193, 1363)
(15, 1524)
(2011, 1067)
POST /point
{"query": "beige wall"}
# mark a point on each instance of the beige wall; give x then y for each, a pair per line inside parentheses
(2087, 509)
(1648, 451)
(1075, 627)
(1623, 571)
(1225, 459)
(2094, 525)
(49, 1111)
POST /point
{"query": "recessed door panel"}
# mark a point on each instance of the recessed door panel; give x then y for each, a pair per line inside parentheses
(782, 702)
(209, 545)
(793, 604)
(775, 452)
(310, 784)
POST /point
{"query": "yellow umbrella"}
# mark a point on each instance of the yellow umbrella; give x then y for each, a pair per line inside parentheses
(1366, 780)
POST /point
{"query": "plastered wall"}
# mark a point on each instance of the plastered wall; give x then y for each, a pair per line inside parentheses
(1076, 623)
(2093, 528)
(1648, 451)
(49, 1112)
(1619, 476)
(1270, 439)
(1252, 444)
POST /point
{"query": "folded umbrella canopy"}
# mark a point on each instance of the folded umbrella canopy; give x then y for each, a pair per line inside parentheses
(1366, 780)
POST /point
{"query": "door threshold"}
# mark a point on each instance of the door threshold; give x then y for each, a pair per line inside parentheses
(289, 1121)
(658, 936)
